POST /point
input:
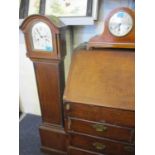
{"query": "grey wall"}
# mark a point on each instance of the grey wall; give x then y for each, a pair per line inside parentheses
(84, 33)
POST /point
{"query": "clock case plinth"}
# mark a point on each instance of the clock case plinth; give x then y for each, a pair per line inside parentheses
(49, 72)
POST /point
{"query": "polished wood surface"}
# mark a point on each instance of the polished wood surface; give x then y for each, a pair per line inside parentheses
(106, 146)
(107, 40)
(53, 139)
(50, 90)
(100, 114)
(99, 129)
(99, 102)
(104, 78)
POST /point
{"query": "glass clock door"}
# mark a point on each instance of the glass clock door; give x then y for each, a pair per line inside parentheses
(42, 37)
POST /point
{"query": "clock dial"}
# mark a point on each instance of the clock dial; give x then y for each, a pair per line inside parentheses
(42, 37)
(120, 24)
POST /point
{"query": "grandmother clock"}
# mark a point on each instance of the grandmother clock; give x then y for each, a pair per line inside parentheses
(46, 47)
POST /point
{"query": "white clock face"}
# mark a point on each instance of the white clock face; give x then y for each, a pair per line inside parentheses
(120, 24)
(42, 37)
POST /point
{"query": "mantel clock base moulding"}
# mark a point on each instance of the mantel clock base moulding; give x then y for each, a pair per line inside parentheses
(46, 47)
(97, 116)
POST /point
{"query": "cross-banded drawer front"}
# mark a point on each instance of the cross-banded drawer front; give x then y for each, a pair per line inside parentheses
(100, 129)
(100, 114)
(103, 146)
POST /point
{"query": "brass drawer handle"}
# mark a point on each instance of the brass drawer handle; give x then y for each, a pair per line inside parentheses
(100, 127)
(129, 148)
(99, 146)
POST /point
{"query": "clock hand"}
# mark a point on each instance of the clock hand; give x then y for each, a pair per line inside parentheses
(39, 33)
(119, 27)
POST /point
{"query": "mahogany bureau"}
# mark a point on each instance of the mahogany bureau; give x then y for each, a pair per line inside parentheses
(99, 95)
(99, 103)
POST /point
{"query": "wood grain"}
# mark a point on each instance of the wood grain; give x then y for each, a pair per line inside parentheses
(111, 147)
(100, 114)
(49, 89)
(112, 131)
(104, 78)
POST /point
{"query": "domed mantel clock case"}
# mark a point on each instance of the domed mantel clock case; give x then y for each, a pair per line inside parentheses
(119, 30)
(46, 47)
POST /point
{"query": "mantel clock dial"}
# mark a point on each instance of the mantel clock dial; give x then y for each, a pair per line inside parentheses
(120, 24)
(118, 32)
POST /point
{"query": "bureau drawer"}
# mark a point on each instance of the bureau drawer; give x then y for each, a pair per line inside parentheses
(100, 129)
(100, 114)
(103, 146)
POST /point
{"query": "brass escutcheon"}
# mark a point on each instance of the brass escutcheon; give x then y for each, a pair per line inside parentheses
(99, 146)
(100, 127)
(67, 106)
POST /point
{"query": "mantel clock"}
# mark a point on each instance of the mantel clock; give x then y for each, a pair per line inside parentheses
(119, 30)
